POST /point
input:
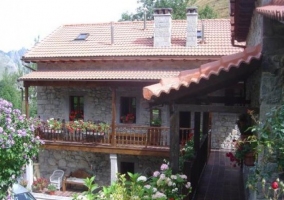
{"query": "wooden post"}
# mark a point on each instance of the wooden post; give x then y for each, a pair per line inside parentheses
(27, 101)
(174, 138)
(196, 131)
(113, 107)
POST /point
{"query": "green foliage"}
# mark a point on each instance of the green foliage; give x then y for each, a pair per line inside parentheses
(270, 142)
(51, 187)
(9, 90)
(207, 13)
(187, 153)
(161, 186)
(17, 144)
(178, 6)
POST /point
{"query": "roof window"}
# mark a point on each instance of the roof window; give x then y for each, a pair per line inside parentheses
(82, 36)
(199, 34)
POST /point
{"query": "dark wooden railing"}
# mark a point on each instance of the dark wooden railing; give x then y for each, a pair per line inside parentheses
(194, 168)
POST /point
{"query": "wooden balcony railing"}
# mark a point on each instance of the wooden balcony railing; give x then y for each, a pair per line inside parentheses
(123, 135)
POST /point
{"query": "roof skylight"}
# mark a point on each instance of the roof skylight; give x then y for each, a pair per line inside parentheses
(82, 36)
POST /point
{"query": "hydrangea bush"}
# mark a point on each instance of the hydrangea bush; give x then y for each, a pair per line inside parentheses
(163, 185)
(17, 144)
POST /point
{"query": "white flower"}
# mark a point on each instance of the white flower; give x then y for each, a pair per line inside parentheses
(142, 178)
(162, 176)
(158, 195)
(188, 185)
(183, 176)
(173, 177)
(147, 186)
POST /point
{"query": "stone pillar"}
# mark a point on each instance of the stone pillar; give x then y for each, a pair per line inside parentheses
(162, 27)
(113, 167)
(191, 29)
(29, 174)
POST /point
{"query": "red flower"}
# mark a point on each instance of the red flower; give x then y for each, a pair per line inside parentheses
(274, 185)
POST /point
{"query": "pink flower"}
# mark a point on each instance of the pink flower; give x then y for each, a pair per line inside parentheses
(164, 167)
(156, 173)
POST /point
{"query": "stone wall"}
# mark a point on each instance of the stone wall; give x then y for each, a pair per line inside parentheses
(224, 130)
(97, 164)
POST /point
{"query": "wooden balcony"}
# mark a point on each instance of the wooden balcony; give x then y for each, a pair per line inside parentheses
(125, 139)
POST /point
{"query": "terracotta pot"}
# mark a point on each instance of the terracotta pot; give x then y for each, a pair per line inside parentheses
(51, 192)
(249, 159)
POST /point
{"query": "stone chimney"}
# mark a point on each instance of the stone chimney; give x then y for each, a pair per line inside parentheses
(162, 27)
(191, 29)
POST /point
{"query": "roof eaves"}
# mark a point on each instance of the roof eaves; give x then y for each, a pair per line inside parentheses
(185, 78)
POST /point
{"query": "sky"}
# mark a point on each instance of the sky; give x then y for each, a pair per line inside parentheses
(22, 21)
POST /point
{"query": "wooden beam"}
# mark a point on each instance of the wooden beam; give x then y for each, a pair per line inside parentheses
(93, 83)
(162, 152)
(197, 122)
(113, 125)
(174, 138)
(27, 101)
(213, 108)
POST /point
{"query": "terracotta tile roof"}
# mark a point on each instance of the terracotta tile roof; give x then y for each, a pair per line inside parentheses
(97, 75)
(185, 78)
(131, 40)
(275, 10)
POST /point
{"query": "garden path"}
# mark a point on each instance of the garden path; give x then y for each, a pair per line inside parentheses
(220, 180)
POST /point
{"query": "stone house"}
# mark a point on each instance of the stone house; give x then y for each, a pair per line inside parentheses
(100, 70)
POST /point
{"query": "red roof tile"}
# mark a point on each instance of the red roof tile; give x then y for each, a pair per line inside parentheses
(275, 10)
(98, 75)
(185, 78)
(131, 40)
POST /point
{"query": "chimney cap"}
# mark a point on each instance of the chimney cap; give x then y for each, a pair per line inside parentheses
(192, 9)
(163, 10)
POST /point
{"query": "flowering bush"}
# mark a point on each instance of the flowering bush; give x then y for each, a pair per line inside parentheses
(54, 124)
(163, 185)
(128, 118)
(17, 144)
(72, 126)
(170, 184)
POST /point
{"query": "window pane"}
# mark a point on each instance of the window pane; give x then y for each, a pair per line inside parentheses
(128, 110)
(76, 108)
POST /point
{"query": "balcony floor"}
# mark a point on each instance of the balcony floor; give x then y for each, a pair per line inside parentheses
(220, 180)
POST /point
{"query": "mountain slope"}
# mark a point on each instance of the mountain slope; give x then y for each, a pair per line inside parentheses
(221, 7)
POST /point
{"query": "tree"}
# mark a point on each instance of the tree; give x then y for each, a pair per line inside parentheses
(9, 90)
(18, 144)
(178, 6)
(207, 13)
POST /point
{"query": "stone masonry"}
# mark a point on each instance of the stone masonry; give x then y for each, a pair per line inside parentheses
(97, 164)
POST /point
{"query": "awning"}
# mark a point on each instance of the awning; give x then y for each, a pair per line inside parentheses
(274, 10)
(204, 72)
(97, 75)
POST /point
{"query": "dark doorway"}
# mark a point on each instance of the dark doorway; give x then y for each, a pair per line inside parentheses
(184, 122)
(126, 167)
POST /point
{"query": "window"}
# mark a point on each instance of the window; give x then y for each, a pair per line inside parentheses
(128, 110)
(155, 117)
(76, 108)
(82, 36)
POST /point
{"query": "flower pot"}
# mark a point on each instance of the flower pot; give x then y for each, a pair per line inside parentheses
(51, 192)
(249, 159)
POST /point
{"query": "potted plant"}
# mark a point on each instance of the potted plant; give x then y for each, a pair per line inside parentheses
(39, 184)
(246, 151)
(51, 188)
